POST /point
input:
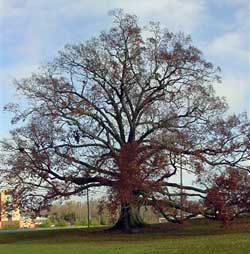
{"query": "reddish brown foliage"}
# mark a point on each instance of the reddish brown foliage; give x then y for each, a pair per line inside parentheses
(230, 195)
(121, 111)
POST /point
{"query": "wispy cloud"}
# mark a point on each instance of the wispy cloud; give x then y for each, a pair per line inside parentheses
(230, 45)
(233, 40)
(235, 88)
(33, 31)
(230, 49)
(177, 14)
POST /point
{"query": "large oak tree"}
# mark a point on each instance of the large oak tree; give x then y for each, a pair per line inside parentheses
(122, 110)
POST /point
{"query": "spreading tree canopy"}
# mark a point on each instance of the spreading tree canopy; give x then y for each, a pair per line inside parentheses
(123, 110)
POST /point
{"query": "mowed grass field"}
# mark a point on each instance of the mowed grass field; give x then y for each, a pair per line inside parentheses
(195, 237)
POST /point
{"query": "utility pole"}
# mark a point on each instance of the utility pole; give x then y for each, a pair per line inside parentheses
(181, 183)
(88, 207)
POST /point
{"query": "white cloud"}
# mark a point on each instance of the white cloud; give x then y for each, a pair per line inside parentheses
(177, 14)
(233, 41)
(230, 45)
(34, 30)
(235, 88)
(230, 50)
(234, 3)
(18, 71)
(40, 24)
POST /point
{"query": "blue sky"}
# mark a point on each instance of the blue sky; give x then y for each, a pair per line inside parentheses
(32, 31)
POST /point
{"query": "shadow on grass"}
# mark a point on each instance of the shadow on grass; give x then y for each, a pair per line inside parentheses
(192, 228)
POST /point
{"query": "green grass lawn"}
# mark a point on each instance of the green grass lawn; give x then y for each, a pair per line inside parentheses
(198, 236)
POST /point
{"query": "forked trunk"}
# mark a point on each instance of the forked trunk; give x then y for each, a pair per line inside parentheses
(129, 219)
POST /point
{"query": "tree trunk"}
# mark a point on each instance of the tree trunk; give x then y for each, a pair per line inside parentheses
(130, 219)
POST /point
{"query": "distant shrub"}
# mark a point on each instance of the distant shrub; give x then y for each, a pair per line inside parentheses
(11, 225)
(80, 223)
(45, 224)
(70, 217)
(94, 222)
(103, 221)
(62, 223)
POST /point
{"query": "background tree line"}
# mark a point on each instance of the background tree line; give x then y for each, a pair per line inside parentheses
(75, 213)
